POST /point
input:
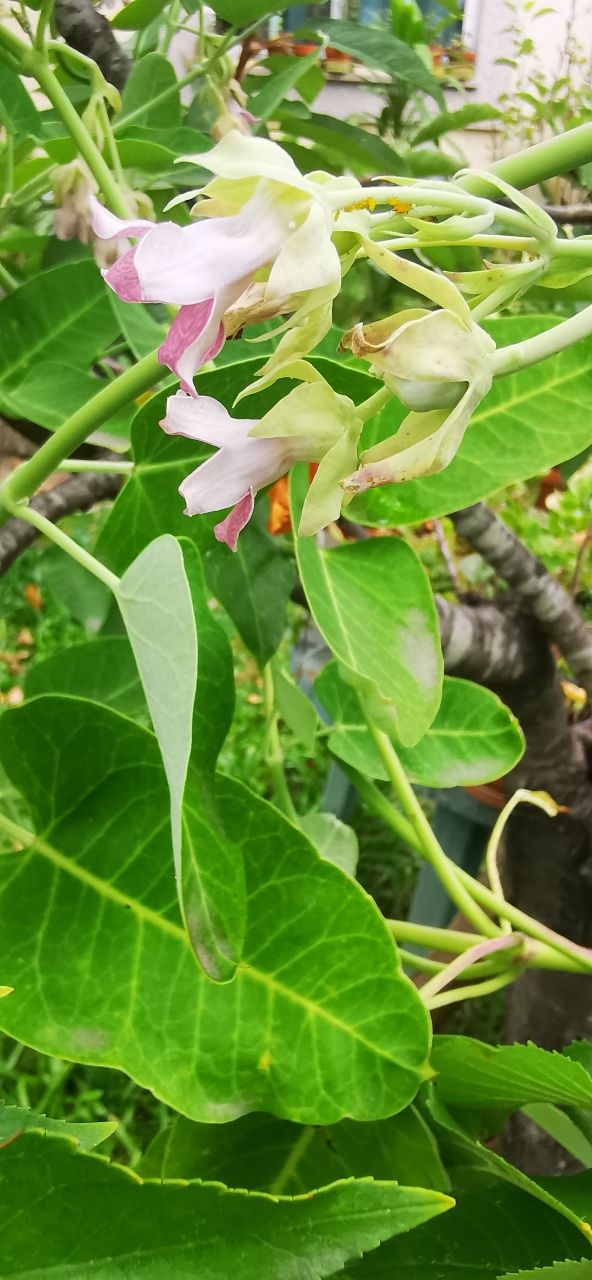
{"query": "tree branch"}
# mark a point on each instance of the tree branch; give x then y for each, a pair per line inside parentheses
(544, 597)
(77, 493)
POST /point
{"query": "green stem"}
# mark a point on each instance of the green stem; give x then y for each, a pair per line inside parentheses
(522, 354)
(424, 935)
(48, 81)
(431, 850)
(17, 50)
(25, 479)
(43, 23)
(274, 756)
(573, 958)
(536, 164)
(111, 142)
(422, 964)
(79, 466)
(469, 961)
(471, 991)
(7, 280)
(382, 807)
(61, 539)
(196, 72)
(373, 405)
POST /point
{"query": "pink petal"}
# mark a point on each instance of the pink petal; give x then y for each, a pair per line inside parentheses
(108, 227)
(123, 278)
(182, 351)
(228, 530)
(205, 419)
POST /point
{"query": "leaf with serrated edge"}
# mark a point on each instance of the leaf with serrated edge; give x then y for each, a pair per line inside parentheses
(264, 1154)
(493, 1229)
(581, 1270)
(86, 1217)
(473, 738)
(319, 1021)
(16, 1120)
(476, 1075)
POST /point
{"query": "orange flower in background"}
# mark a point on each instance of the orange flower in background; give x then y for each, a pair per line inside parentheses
(279, 520)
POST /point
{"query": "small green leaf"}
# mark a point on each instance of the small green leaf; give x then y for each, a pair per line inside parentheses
(296, 710)
(137, 14)
(447, 121)
(17, 1120)
(18, 112)
(88, 1218)
(333, 840)
(278, 85)
(476, 1075)
(473, 738)
(373, 604)
(151, 76)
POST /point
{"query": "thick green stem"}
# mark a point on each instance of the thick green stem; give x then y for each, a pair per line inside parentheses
(571, 957)
(382, 807)
(48, 81)
(25, 479)
(424, 935)
(536, 164)
(23, 512)
(522, 354)
(431, 850)
(471, 991)
(274, 756)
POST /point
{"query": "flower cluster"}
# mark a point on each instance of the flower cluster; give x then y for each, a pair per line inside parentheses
(267, 242)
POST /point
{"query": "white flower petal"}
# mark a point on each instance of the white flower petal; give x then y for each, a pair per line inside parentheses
(205, 419)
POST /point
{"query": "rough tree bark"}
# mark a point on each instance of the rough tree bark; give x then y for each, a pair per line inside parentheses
(547, 862)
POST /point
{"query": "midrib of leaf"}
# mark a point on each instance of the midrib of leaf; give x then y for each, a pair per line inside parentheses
(293, 1158)
(49, 336)
(42, 846)
(337, 609)
(534, 391)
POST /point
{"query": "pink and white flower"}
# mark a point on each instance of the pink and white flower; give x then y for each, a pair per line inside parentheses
(312, 424)
(259, 219)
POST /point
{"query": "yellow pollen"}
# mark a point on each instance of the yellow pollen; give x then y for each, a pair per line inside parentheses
(399, 206)
(368, 203)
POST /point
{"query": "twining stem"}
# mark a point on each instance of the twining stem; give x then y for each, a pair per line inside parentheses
(541, 801)
(48, 81)
(431, 850)
(424, 935)
(471, 991)
(580, 957)
(274, 756)
(522, 354)
(24, 512)
(25, 479)
(451, 972)
(423, 964)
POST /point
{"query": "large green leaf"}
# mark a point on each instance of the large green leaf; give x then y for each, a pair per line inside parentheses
(151, 76)
(17, 1120)
(473, 739)
(379, 48)
(255, 583)
(373, 604)
(87, 1218)
(264, 1154)
(530, 421)
(342, 143)
(103, 670)
(476, 1075)
(53, 390)
(242, 12)
(319, 1021)
(493, 1228)
(62, 315)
